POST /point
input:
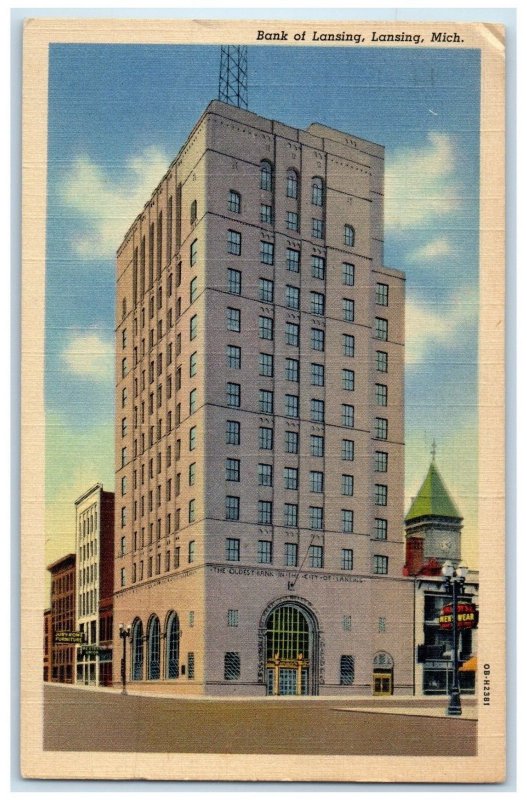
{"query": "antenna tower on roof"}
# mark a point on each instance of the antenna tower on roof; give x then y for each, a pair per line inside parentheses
(233, 75)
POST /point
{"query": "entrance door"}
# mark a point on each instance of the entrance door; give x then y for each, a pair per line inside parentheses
(382, 683)
(289, 642)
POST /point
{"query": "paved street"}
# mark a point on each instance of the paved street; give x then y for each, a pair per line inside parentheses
(76, 719)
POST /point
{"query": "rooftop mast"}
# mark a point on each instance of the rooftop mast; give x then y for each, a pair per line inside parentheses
(233, 75)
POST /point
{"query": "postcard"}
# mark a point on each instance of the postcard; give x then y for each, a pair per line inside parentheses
(263, 401)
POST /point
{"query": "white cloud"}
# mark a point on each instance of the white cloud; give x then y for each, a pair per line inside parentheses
(108, 201)
(90, 356)
(429, 325)
(421, 184)
(431, 250)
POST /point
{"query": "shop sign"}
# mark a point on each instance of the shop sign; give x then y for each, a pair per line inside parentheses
(68, 637)
(466, 616)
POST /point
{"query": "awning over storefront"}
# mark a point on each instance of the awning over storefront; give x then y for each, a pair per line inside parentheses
(469, 666)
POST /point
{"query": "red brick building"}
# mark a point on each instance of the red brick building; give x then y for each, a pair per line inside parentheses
(62, 618)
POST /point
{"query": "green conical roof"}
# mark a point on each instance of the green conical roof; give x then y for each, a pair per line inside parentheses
(432, 499)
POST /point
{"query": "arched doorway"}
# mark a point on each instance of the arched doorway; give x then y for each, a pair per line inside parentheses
(172, 646)
(291, 651)
(154, 649)
(382, 673)
(137, 650)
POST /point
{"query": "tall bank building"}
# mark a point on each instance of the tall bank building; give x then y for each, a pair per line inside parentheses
(259, 420)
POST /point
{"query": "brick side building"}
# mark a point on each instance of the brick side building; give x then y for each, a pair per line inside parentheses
(62, 659)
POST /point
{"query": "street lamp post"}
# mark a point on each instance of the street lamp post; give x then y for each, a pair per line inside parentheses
(124, 633)
(454, 580)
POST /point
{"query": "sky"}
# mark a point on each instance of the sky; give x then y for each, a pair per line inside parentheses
(118, 115)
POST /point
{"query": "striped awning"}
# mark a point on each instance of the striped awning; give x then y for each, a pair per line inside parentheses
(469, 666)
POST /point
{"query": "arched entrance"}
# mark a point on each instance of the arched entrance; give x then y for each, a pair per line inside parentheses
(291, 651)
(382, 673)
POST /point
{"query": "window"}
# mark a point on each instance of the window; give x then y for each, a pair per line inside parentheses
(317, 375)
(266, 402)
(291, 554)
(266, 365)
(123, 576)
(317, 410)
(266, 176)
(124, 397)
(380, 565)
(317, 339)
(234, 356)
(291, 220)
(348, 274)
(234, 243)
(193, 289)
(381, 328)
(347, 452)
(381, 494)
(349, 235)
(265, 552)
(347, 670)
(381, 294)
(292, 184)
(235, 202)
(348, 345)
(233, 319)
(316, 518)
(193, 212)
(266, 290)
(123, 457)
(317, 228)
(193, 326)
(348, 309)
(346, 559)
(232, 432)
(317, 446)
(381, 461)
(317, 192)
(232, 508)
(233, 395)
(265, 512)
(124, 426)
(232, 617)
(292, 333)
(291, 405)
(316, 481)
(290, 478)
(347, 485)
(232, 469)
(231, 667)
(381, 529)
(316, 556)
(265, 327)
(290, 515)
(318, 302)
(234, 281)
(193, 252)
(190, 666)
(318, 267)
(265, 438)
(265, 475)
(381, 428)
(267, 253)
(232, 549)
(123, 486)
(382, 361)
(191, 551)
(347, 520)
(292, 260)
(192, 401)
(124, 368)
(348, 379)
(292, 297)
(266, 214)
(192, 438)
(347, 415)
(346, 623)
(292, 370)
(291, 442)
(192, 474)
(191, 510)
(381, 394)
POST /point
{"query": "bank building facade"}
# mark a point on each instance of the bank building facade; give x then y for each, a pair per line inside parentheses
(259, 437)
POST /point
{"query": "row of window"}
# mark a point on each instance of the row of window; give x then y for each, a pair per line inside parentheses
(264, 555)
(292, 183)
(291, 475)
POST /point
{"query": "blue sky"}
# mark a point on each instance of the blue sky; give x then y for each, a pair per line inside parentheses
(118, 115)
